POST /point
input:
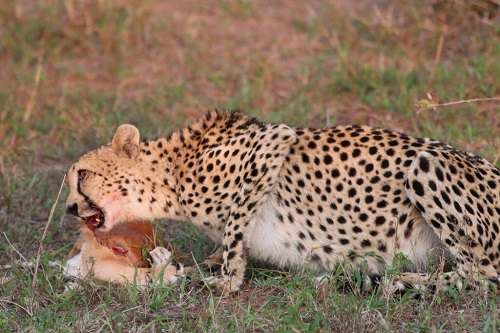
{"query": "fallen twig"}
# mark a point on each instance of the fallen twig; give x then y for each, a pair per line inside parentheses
(432, 103)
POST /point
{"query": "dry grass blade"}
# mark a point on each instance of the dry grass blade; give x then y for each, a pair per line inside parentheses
(25, 262)
(34, 92)
(18, 305)
(40, 247)
(437, 58)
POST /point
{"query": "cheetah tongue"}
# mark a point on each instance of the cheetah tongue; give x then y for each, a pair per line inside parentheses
(95, 221)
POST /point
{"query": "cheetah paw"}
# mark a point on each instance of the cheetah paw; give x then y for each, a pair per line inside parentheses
(225, 285)
(491, 284)
(160, 255)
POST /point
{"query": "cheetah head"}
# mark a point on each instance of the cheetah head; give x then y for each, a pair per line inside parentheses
(105, 185)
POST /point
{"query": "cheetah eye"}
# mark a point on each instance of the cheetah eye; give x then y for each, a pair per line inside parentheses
(82, 174)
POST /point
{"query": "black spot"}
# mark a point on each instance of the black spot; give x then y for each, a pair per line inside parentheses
(419, 189)
(469, 177)
(409, 229)
(382, 204)
(393, 143)
(469, 209)
(456, 190)
(327, 159)
(410, 153)
(438, 202)
(365, 243)
(402, 219)
(435, 224)
(345, 143)
(439, 174)
(445, 197)
(420, 207)
(424, 164)
(390, 232)
(432, 185)
(352, 172)
(379, 220)
(382, 248)
(343, 241)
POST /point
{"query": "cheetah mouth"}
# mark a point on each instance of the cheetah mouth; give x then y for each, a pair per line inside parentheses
(95, 221)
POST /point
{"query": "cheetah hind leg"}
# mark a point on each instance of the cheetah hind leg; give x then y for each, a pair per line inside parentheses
(420, 282)
(458, 195)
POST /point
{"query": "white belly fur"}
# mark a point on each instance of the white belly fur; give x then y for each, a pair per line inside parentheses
(269, 240)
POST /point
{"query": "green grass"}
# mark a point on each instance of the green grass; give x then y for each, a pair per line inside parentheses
(73, 71)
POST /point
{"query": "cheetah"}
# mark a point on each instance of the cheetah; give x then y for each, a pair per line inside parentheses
(301, 197)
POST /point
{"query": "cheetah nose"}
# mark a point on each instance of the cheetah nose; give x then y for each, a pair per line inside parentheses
(72, 209)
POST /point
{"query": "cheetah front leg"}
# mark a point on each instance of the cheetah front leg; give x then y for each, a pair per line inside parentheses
(260, 169)
(234, 258)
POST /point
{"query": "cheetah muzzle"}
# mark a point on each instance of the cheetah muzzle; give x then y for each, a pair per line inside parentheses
(93, 222)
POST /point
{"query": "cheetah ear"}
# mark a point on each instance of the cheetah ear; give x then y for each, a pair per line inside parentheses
(126, 141)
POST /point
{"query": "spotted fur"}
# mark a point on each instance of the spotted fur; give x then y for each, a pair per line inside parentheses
(301, 196)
